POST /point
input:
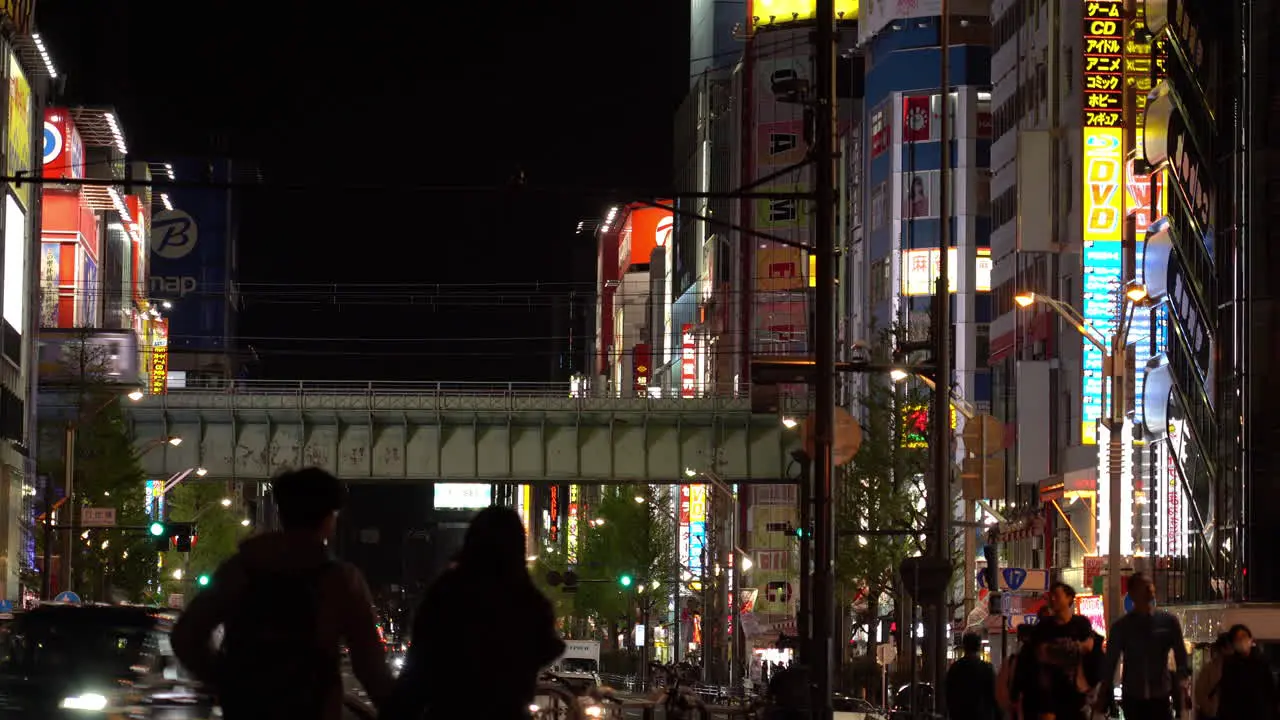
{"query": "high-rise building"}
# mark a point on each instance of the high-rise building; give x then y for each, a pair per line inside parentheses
(1123, 198)
(28, 74)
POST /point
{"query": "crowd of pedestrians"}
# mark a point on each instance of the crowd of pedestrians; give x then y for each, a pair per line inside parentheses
(1064, 670)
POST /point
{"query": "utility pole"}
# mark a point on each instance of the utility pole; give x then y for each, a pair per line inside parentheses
(940, 500)
(824, 335)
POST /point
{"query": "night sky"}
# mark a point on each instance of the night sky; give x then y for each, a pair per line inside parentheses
(362, 106)
(350, 109)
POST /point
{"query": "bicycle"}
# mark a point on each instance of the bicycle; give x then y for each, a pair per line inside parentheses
(679, 699)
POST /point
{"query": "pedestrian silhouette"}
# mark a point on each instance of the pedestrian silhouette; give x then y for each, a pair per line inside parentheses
(482, 634)
(286, 606)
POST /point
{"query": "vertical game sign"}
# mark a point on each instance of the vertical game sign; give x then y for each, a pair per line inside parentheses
(1103, 104)
(571, 526)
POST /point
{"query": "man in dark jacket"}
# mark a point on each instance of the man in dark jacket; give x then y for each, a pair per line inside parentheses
(971, 684)
(482, 634)
(1145, 638)
(285, 607)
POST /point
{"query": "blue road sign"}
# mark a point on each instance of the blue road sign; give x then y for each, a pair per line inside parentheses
(1014, 577)
(67, 597)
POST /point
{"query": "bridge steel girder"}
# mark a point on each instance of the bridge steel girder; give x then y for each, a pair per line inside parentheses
(397, 437)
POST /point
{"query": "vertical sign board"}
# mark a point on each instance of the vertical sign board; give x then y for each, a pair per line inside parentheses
(697, 526)
(688, 362)
(1103, 72)
(686, 540)
(571, 526)
(553, 514)
(189, 251)
(158, 363)
(1103, 262)
(154, 499)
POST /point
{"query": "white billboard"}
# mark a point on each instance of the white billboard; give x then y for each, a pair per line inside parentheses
(461, 496)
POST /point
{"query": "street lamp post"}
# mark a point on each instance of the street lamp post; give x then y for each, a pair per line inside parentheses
(1115, 366)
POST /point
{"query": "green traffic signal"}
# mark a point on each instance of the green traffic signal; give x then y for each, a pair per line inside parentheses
(625, 581)
(157, 529)
(203, 580)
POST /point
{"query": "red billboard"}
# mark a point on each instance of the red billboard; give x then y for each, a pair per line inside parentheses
(63, 147)
(641, 234)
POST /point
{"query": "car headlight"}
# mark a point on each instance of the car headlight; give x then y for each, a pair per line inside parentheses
(593, 711)
(92, 702)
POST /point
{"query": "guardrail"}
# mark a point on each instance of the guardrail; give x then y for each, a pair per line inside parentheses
(419, 387)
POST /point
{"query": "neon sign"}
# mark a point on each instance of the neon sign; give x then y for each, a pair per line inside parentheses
(1103, 101)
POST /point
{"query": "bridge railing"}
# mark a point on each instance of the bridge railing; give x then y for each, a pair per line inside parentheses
(415, 387)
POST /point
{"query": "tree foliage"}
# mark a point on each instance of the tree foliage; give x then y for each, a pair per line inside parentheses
(218, 532)
(563, 604)
(636, 539)
(881, 490)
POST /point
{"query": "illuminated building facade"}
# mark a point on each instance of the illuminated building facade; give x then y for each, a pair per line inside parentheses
(28, 72)
(1126, 194)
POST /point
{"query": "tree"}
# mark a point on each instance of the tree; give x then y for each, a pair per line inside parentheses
(218, 531)
(563, 603)
(107, 564)
(882, 489)
(627, 538)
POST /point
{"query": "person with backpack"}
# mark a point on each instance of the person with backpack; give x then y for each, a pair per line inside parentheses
(285, 607)
(482, 634)
(1144, 638)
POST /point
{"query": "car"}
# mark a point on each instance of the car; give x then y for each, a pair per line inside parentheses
(74, 661)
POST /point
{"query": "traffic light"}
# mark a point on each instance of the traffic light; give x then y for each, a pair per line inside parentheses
(625, 581)
(203, 580)
(172, 536)
(183, 536)
(161, 537)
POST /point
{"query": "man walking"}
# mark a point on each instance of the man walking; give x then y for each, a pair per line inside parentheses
(971, 684)
(1144, 638)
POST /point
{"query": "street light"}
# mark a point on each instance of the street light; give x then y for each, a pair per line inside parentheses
(789, 422)
(226, 502)
(134, 395)
(245, 522)
(174, 441)
(201, 472)
(640, 499)
(1114, 365)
